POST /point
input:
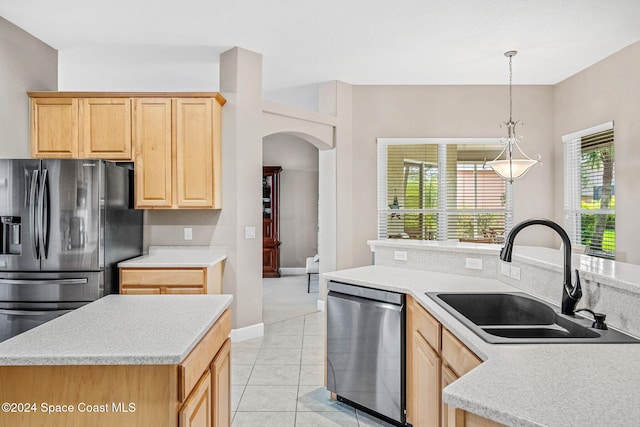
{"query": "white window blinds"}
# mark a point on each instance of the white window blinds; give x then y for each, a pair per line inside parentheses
(589, 198)
(437, 189)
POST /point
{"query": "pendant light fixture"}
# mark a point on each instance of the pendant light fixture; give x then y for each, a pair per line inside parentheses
(512, 166)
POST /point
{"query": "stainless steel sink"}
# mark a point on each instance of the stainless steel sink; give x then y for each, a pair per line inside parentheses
(517, 318)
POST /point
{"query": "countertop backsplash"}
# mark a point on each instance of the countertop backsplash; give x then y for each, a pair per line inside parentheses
(609, 287)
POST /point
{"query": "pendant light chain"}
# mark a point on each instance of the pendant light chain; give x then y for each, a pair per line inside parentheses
(510, 90)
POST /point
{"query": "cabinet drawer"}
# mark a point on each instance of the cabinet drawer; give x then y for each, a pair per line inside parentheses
(181, 290)
(162, 277)
(427, 326)
(456, 355)
(146, 290)
(192, 367)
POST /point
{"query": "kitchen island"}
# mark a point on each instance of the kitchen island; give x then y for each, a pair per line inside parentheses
(122, 360)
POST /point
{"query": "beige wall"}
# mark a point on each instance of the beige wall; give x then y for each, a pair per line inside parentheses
(608, 90)
(448, 111)
(298, 196)
(26, 64)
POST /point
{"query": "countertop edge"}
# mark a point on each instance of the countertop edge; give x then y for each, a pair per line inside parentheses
(118, 359)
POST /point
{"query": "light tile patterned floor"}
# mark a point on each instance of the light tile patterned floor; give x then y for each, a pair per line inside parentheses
(277, 380)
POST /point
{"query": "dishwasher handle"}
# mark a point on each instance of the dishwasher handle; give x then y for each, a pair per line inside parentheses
(367, 293)
(368, 303)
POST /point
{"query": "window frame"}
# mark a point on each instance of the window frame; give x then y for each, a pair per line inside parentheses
(442, 212)
(572, 150)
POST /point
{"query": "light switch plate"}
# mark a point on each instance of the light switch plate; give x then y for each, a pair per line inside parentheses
(473, 263)
(249, 232)
(400, 255)
(188, 233)
(505, 269)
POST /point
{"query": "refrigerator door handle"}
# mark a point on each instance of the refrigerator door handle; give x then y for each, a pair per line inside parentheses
(34, 228)
(82, 281)
(43, 214)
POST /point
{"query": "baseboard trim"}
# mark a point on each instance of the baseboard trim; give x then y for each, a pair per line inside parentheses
(292, 271)
(247, 333)
(321, 305)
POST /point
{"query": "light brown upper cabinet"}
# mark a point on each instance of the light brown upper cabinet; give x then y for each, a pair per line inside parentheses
(173, 137)
(105, 128)
(64, 126)
(177, 144)
(54, 127)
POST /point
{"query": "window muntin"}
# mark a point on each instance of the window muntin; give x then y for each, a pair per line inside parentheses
(437, 189)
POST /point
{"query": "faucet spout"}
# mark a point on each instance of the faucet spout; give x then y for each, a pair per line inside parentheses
(570, 294)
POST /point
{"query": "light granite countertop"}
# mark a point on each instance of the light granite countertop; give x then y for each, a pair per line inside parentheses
(119, 330)
(523, 384)
(178, 256)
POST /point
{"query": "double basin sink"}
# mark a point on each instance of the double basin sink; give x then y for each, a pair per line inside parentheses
(517, 318)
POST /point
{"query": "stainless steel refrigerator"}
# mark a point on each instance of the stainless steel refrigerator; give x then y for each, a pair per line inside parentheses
(65, 224)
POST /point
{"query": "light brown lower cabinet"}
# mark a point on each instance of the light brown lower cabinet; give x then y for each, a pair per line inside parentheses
(435, 359)
(194, 393)
(148, 281)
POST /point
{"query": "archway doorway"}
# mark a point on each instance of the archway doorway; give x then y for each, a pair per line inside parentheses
(292, 295)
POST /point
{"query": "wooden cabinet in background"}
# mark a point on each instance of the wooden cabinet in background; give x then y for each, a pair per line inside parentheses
(435, 359)
(270, 221)
(64, 126)
(175, 139)
(153, 152)
(177, 152)
(54, 127)
(148, 281)
(105, 128)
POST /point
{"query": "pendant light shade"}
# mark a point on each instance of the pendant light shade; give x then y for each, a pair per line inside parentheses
(512, 163)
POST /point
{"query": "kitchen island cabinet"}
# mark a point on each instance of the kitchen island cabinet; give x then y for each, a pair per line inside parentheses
(123, 360)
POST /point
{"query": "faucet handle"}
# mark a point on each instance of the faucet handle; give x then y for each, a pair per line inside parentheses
(576, 292)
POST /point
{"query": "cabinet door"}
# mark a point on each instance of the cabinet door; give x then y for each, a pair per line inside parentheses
(426, 367)
(451, 417)
(153, 152)
(194, 152)
(105, 128)
(54, 127)
(196, 411)
(221, 386)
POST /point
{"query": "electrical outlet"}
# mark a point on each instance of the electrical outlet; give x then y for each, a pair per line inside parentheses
(505, 269)
(400, 255)
(473, 263)
(515, 272)
(249, 232)
(188, 233)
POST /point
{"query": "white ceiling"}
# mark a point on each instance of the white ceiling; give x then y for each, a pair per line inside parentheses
(356, 41)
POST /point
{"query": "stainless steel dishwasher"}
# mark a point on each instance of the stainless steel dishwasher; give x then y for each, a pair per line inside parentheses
(366, 349)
